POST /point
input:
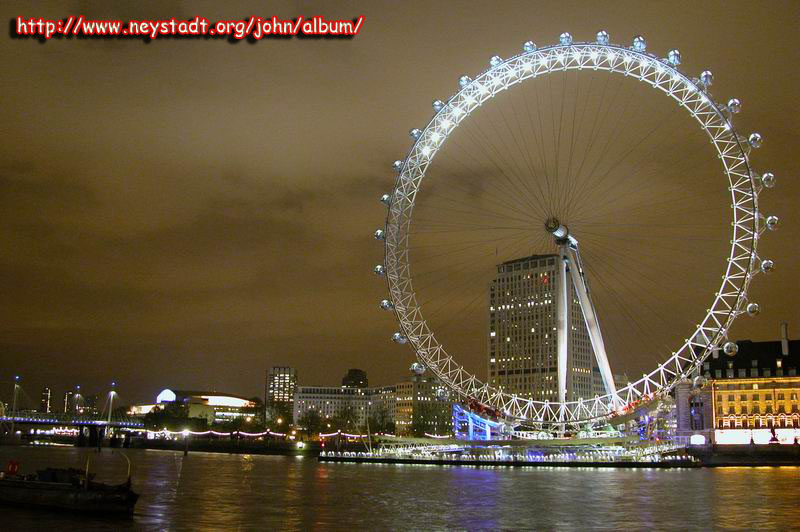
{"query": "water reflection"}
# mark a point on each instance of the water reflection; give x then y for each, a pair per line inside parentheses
(218, 491)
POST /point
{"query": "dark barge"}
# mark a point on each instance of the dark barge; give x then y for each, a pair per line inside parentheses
(67, 489)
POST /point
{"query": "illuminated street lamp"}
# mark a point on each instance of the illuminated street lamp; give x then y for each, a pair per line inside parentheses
(111, 395)
(14, 402)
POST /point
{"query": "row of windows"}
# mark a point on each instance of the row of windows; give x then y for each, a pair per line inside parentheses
(756, 409)
(767, 397)
(754, 372)
(760, 422)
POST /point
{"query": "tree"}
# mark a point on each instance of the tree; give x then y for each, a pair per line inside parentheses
(380, 421)
(431, 417)
(278, 416)
(257, 412)
(345, 419)
(311, 422)
(244, 423)
(173, 416)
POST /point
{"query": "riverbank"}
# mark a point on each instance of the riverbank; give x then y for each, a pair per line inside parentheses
(666, 464)
(746, 455)
(698, 456)
(281, 448)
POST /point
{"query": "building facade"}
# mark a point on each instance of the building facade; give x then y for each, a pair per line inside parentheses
(44, 402)
(522, 344)
(280, 388)
(419, 405)
(69, 401)
(214, 407)
(422, 405)
(332, 401)
(749, 397)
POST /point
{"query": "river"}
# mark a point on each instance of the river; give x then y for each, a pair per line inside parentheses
(206, 491)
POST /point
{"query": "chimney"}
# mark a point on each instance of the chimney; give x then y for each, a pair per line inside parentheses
(784, 338)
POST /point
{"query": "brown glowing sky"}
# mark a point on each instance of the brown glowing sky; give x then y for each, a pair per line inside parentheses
(187, 213)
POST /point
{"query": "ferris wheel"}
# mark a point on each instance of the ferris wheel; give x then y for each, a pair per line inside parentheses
(570, 226)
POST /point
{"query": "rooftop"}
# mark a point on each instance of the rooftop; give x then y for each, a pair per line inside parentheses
(756, 359)
(532, 257)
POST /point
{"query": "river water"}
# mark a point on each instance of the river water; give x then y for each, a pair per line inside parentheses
(252, 492)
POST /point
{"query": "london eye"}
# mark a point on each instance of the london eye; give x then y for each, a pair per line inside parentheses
(583, 240)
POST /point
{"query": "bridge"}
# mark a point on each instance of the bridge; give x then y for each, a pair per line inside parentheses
(73, 416)
(72, 420)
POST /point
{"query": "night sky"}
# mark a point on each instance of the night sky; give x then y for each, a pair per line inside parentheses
(188, 213)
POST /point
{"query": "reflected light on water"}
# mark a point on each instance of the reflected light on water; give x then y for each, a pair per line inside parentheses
(224, 491)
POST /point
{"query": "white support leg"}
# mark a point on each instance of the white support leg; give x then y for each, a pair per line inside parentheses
(590, 316)
(562, 322)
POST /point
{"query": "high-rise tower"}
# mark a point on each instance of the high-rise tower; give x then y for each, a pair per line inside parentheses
(280, 387)
(523, 339)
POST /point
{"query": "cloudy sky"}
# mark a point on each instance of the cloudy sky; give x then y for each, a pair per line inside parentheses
(187, 213)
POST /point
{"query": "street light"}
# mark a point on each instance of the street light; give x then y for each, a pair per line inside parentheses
(14, 402)
(185, 433)
(77, 398)
(111, 400)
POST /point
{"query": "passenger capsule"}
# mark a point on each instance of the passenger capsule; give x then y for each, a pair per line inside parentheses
(529, 46)
(730, 348)
(767, 266)
(380, 235)
(565, 39)
(397, 165)
(768, 180)
(415, 133)
(387, 305)
(602, 37)
(753, 309)
(438, 105)
(379, 270)
(734, 105)
(463, 81)
(399, 338)
(707, 78)
(674, 57)
(772, 222)
(495, 60)
(639, 44)
(386, 199)
(755, 140)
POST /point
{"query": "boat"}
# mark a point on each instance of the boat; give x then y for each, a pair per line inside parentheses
(66, 489)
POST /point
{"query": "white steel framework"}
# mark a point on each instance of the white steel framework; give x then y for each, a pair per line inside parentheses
(746, 221)
(570, 262)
